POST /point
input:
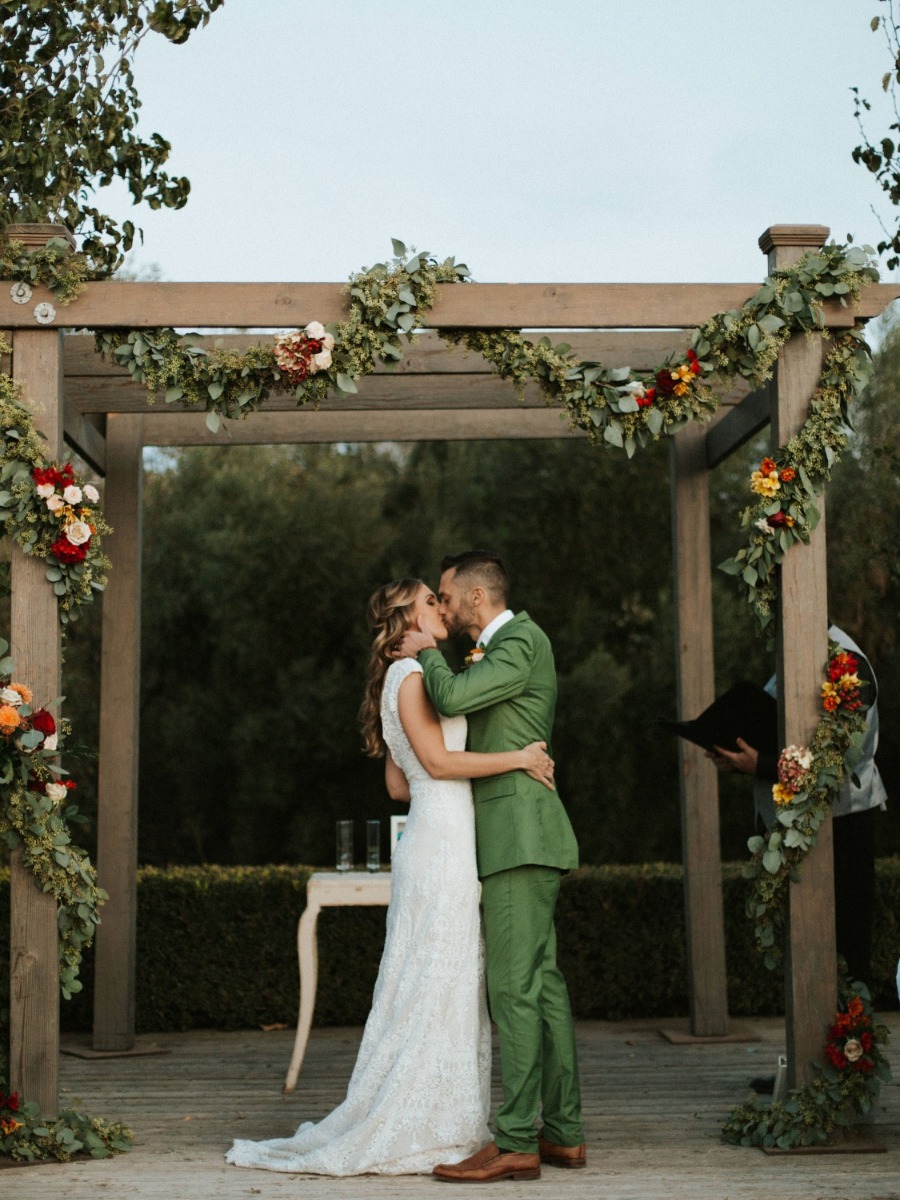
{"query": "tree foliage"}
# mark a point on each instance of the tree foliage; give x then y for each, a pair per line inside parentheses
(69, 114)
(881, 155)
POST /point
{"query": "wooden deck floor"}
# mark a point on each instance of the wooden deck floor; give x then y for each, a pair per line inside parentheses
(653, 1114)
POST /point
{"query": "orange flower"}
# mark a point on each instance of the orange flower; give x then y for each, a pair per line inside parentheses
(855, 1007)
(24, 692)
(9, 719)
(788, 474)
(767, 466)
(830, 703)
(782, 794)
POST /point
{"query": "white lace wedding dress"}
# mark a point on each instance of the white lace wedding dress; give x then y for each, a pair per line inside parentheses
(420, 1090)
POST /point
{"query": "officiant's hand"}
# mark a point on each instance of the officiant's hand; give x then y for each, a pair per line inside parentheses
(412, 642)
(743, 759)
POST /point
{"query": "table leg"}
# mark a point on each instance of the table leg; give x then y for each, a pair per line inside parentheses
(308, 959)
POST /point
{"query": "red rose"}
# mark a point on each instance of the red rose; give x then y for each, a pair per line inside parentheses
(836, 1056)
(65, 552)
(665, 384)
(777, 518)
(43, 721)
(10, 1102)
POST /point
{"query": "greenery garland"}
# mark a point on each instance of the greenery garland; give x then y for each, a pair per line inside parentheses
(25, 1137)
(44, 506)
(35, 814)
(842, 1090)
(54, 265)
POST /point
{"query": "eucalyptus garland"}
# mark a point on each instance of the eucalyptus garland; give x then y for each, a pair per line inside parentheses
(55, 266)
(844, 1089)
(47, 510)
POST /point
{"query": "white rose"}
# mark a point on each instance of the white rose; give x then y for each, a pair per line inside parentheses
(50, 741)
(91, 493)
(55, 503)
(327, 341)
(77, 532)
(72, 494)
(9, 696)
(45, 490)
(853, 1049)
(315, 329)
(635, 388)
(322, 359)
(764, 525)
(56, 791)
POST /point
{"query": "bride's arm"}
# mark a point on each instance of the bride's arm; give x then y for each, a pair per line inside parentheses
(395, 781)
(423, 728)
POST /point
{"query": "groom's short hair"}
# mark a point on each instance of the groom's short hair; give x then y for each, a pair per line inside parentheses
(478, 568)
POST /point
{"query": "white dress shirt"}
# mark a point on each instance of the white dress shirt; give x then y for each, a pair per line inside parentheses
(491, 628)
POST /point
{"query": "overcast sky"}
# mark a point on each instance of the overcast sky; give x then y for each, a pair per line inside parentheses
(579, 140)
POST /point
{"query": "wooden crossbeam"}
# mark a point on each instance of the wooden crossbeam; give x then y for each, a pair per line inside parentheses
(739, 425)
(477, 305)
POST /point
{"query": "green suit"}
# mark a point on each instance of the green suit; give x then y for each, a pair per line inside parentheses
(524, 842)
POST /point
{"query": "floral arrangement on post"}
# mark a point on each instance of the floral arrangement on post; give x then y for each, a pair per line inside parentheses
(808, 780)
(846, 1087)
(46, 509)
(35, 815)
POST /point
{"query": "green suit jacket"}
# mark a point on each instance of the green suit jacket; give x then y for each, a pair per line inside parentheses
(509, 697)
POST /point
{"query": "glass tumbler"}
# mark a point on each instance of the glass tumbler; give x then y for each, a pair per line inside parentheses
(373, 845)
(344, 839)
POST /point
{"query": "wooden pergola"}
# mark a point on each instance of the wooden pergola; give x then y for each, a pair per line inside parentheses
(437, 393)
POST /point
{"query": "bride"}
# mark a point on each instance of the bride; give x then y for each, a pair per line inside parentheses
(420, 1090)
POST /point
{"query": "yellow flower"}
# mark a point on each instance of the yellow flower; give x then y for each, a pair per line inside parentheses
(681, 389)
(781, 794)
(847, 683)
(764, 485)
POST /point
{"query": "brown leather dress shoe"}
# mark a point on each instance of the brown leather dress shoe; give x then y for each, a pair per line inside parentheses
(488, 1164)
(562, 1156)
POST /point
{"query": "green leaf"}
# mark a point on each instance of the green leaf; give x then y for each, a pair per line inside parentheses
(174, 394)
(215, 389)
(772, 860)
(654, 421)
(345, 383)
(406, 296)
(613, 434)
(398, 247)
(212, 421)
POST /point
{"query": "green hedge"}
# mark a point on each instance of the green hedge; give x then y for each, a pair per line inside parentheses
(217, 947)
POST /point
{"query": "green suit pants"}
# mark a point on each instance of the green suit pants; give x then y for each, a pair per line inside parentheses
(530, 1006)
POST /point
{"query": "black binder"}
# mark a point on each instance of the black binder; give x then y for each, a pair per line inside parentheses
(745, 711)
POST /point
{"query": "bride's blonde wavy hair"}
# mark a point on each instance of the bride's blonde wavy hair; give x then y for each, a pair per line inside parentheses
(390, 614)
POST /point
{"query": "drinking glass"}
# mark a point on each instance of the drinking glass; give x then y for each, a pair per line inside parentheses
(344, 833)
(373, 845)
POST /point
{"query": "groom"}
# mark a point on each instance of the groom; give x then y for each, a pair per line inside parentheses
(524, 844)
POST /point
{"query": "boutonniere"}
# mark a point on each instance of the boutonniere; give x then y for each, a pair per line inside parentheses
(474, 656)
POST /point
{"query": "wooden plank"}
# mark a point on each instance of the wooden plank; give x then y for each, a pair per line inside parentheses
(429, 354)
(652, 1117)
(476, 305)
(810, 970)
(34, 963)
(108, 394)
(84, 437)
(120, 671)
(739, 425)
(276, 428)
(698, 783)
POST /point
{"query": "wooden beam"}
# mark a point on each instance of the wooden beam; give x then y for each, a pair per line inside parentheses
(274, 428)
(739, 425)
(114, 986)
(119, 393)
(428, 354)
(84, 437)
(475, 305)
(698, 782)
(34, 960)
(802, 648)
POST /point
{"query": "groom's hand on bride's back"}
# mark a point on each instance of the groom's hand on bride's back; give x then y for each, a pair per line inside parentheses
(412, 642)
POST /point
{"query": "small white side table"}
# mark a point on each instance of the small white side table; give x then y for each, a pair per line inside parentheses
(326, 889)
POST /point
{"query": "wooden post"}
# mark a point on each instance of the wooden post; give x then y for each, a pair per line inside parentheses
(34, 962)
(802, 645)
(114, 980)
(698, 782)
